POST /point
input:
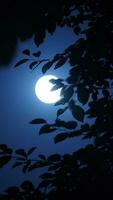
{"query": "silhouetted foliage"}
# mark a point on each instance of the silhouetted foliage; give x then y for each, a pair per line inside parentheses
(88, 170)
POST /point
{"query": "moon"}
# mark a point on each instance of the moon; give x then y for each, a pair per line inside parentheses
(43, 90)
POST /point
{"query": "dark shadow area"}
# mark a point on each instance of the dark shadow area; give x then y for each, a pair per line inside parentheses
(23, 20)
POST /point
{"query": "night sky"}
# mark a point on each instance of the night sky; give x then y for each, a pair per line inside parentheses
(19, 105)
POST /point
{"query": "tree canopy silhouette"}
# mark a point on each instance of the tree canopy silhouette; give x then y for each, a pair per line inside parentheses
(88, 170)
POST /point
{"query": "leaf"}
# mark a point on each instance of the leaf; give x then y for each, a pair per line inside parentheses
(68, 93)
(32, 64)
(21, 62)
(46, 66)
(8, 151)
(46, 129)
(38, 121)
(77, 111)
(60, 102)
(85, 127)
(57, 57)
(83, 94)
(3, 146)
(56, 81)
(70, 125)
(39, 37)
(36, 165)
(21, 152)
(54, 167)
(94, 96)
(12, 191)
(42, 157)
(27, 186)
(17, 164)
(60, 62)
(57, 86)
(4, 160)
(31, 150)
(106, 93)
(51, 28)
(4, 149)
(26, 52)
(46, 176)
(54, 158)
(75, 133)
(60, 137)
(61, 111)
(77, 30)
(44, 184)
(26, 166)
(33, 167)
(21, 158)
(37, 54)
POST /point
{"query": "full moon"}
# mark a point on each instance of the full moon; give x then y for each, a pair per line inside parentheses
(43, 90)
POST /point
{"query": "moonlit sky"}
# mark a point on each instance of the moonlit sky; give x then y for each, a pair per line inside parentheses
(19, 105)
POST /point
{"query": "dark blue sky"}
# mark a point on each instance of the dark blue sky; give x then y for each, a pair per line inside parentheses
(19, 105)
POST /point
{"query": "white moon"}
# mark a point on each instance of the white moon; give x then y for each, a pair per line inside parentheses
(43, 90)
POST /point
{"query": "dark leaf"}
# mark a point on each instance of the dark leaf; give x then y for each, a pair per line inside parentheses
(5, 150)
(60, 102)
(46, 66)
(77, 30)
(106, 93)
(31, 150)
(8, 151)
(83, 94)
(37, 54)
(77, 111)
(3, 147)
(44, 184)
(38, 121)
(21, 62)
(46, 129)
(94, 96)
(26, 52)
(33, 167)
(70, 125)
(39, 37)
(32, 64)
(42, 157)
(57, 86)
(60, 62)
(75, 133)
(27, 186)
(68, 93)
(26, 166)
(85, 127)
(54, 167)
(57, 57)
(56, 81)
(21, 152)
(61, 111)
(4, 160)
(17, 164)
(12, 191)
(21, 159)
(54, 158)
(51, 28)
(46, 176)
(36, 165)
(60, 137)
